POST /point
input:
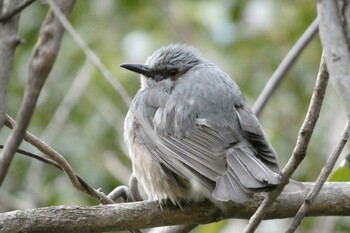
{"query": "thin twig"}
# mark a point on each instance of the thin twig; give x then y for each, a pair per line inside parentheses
(75, 180)
(8, 15)
(284, 67)
(335, 47)
(37, 157)
(40, 65)
(299, 151)
(321, 179)
(91, 56)
(91, 191)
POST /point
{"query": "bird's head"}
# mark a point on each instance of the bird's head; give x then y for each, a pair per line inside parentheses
(168, 62)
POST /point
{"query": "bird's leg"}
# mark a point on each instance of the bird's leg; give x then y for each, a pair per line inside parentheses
(127, 194)
(133, 189)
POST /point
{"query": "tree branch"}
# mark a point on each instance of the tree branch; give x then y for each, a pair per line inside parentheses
(75, 180)
(335, 47)
(300, 149)
(332, 200)
(9, 14)
(321, 179)
(42, 60)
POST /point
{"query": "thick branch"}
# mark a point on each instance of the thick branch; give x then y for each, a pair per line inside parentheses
(335, 47)
(332, 200)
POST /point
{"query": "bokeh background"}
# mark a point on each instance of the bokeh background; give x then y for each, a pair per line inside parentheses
(81, 115)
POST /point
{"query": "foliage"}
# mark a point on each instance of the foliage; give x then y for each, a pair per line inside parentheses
(341, 174)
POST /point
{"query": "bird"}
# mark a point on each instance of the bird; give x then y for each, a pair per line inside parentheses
(191, 135)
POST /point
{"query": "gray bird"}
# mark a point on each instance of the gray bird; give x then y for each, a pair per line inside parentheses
(190, 133)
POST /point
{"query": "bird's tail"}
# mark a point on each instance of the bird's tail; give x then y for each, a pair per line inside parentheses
(246, 174)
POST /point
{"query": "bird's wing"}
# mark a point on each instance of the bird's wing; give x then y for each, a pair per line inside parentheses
(252, 131)
(207, 134)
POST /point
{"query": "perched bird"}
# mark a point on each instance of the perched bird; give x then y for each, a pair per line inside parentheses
(190, 133)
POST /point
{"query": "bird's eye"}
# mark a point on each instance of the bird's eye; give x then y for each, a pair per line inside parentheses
(173, 71)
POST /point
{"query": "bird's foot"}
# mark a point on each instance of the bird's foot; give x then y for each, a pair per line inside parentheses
(128, 194)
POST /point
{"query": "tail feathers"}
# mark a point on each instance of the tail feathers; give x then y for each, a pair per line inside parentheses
(228, 189)
(245, 175)
(254, 166)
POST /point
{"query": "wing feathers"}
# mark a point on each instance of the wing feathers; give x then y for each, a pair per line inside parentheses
(253, 133)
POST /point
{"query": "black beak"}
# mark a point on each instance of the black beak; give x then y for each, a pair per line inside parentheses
(138, 68)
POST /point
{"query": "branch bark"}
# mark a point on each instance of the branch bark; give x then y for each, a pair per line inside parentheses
(332, 200)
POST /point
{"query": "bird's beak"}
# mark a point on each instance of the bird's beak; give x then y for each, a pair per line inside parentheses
(138, 68)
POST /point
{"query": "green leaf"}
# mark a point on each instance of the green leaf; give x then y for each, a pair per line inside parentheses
(342, 174)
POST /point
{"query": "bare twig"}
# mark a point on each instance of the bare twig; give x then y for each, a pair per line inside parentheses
(9, 40)
(91, 56)
(321, 179)
(335, 47)
(332, 200)
(9, 14)
(284, 67)
(299, 151)
(37, 157)
(84, 184)
(41, 62)
(76, 181)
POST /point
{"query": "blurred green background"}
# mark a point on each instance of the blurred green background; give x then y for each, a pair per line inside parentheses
(81, 115)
